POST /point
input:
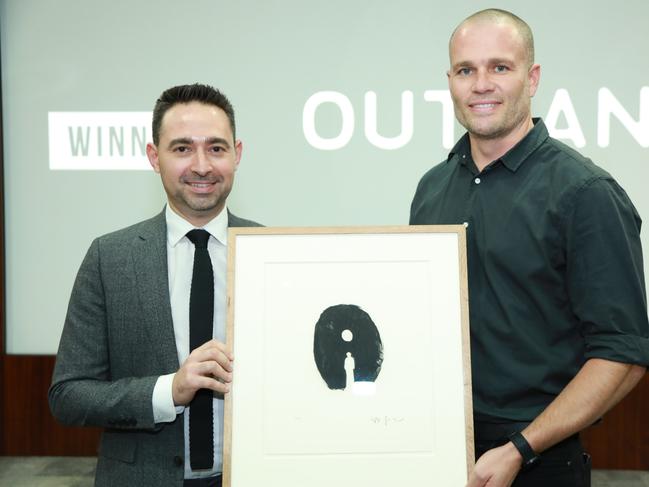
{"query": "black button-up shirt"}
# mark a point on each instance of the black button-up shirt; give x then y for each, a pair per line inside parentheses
(554, 267)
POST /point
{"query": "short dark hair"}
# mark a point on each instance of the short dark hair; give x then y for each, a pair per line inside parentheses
(186, 94)
(500, 15)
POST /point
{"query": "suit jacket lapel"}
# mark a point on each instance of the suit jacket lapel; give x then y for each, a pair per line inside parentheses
(235, 221)
(152, 282)
(152, 278)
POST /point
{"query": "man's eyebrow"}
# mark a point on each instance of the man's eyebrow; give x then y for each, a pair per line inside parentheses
(500, 60)
(191, 140)
(490, 62)
(217, 140)
(180, 140)
(462, 64)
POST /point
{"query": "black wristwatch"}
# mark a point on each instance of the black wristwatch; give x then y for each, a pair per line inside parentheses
(530, 458)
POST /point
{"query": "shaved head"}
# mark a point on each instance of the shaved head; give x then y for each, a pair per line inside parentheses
(498, 16)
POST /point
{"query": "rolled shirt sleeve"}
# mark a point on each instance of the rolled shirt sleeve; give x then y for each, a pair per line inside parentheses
(604, 273)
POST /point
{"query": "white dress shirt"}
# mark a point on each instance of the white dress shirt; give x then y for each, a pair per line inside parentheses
(180, 261)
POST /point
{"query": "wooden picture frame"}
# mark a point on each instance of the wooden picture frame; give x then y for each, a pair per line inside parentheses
(352, 363)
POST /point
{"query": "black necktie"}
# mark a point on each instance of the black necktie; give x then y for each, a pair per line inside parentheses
(201, 319)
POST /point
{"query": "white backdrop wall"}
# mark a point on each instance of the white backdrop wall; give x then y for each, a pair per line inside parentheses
(341, 165)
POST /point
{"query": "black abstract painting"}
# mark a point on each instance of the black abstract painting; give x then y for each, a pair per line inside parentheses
(347, 346)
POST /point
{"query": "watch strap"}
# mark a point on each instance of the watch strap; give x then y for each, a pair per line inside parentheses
(524, 448)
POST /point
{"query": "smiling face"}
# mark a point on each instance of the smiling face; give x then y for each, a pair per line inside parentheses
(491, 80)
(196, 157)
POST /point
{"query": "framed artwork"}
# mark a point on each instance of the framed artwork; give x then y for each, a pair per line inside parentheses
(352, 362)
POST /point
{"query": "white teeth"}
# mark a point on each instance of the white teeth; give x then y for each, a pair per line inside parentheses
(484, 105)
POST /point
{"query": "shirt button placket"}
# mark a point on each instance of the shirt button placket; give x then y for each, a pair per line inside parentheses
(476, 181)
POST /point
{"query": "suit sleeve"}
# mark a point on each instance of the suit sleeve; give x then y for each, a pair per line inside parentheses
(83, 391)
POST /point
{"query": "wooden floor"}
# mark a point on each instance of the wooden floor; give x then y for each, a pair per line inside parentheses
(79, 472)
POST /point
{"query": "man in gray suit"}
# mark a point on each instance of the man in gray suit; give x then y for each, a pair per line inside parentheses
(124, 360)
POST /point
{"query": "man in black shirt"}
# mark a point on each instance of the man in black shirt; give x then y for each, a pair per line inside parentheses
(559, 330)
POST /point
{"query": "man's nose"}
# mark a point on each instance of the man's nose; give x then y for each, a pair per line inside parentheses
(483, 82)
(201, 163)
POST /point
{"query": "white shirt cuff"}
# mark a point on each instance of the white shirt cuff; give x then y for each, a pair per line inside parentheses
(164, 410)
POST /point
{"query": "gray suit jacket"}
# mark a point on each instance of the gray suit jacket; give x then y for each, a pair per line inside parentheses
(117, 340)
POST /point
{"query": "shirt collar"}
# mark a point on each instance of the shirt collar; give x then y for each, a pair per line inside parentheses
(516, 156)
(177, 227)
(461, 148)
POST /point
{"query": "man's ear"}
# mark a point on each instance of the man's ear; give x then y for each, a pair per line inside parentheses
(238, 150)
(152, 154)
(534, 76)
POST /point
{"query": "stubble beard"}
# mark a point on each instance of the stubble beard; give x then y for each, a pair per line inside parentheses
(204, 204)
(492, 130)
